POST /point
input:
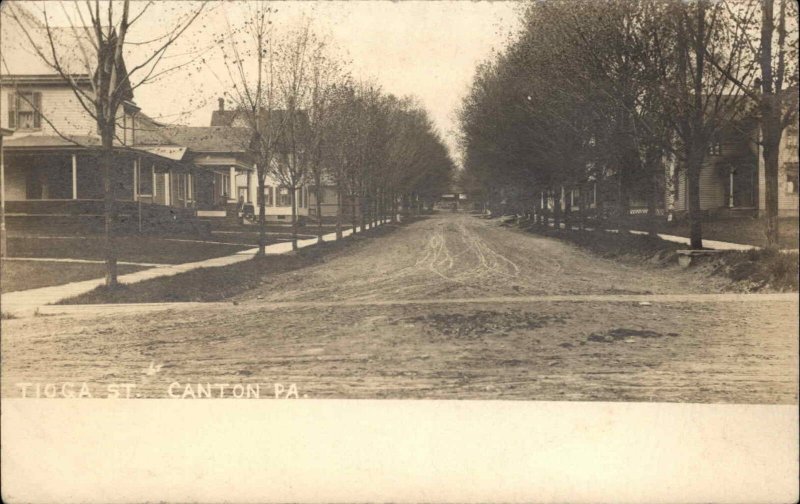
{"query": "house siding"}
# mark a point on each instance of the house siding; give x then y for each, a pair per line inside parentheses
(61, 112)
(712, 190)
(788, 204)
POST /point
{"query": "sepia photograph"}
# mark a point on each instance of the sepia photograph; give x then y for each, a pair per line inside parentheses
(400, 214)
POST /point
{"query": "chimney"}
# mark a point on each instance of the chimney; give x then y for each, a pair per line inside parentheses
(221, 103)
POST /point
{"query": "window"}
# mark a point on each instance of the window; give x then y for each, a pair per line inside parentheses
(791, 178)
(268, 199)
(284, 198)
(146, 180)
(223, 184)
(791, 138)
(128, 129)
(715, 146)
(24, 110)
(189, 187)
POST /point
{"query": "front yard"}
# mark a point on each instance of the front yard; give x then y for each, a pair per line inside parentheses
(23, 275)
(748, 231)
(19, 274)
(142, 249)
(220, 283)
(750, 271)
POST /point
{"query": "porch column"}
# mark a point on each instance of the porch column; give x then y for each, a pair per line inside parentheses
(167, 188)
(730, 196)
(252, 188)
(74, 176)
(232, 196)
(135, 180)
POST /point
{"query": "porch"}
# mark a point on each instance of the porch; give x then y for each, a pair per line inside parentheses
(63, 190)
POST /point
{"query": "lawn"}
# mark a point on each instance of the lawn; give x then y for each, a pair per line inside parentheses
(749, 231)
(146, 249)
(216, 284)
(751, 271)
(275, 234)
(22, 275)
(251, 237)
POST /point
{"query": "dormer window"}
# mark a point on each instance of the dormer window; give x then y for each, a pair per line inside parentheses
(24, 110)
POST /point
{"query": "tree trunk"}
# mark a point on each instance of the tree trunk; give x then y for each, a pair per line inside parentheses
(599, 208)
(693, 165)
(353, 212)
(109, 209)
(318, 195)
(770, 116)
(652, 197)
(294, 218)
(338, 213)
(624, 203)
(363, 202)
(376, 205)
(771, 150)
(262, 217)
(557, 209)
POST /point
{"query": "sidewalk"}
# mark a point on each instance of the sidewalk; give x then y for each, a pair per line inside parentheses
(27, 302)
(711, 244)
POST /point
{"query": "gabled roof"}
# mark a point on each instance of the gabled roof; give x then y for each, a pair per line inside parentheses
(275, 119)
(209, 138)
(223, 117)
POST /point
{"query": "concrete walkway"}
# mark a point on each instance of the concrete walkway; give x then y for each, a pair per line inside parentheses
(27, 302)
(83, 261)
(712, 244)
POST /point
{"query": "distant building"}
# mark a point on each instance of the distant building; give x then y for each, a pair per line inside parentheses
(278, 197)
(732, 178)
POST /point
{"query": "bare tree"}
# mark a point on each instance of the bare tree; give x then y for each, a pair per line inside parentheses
(98, 77)
(775, 90)
(296, 56)
(254, 94)
(700, 99)
(341, 151)
(326, 74)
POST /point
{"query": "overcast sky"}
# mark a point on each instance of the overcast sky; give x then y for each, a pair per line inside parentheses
(428, 49)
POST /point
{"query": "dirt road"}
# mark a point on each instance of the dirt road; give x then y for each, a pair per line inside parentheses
(742, 350)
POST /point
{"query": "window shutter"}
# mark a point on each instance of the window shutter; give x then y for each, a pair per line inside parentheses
(37, 105)
(12, 110)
